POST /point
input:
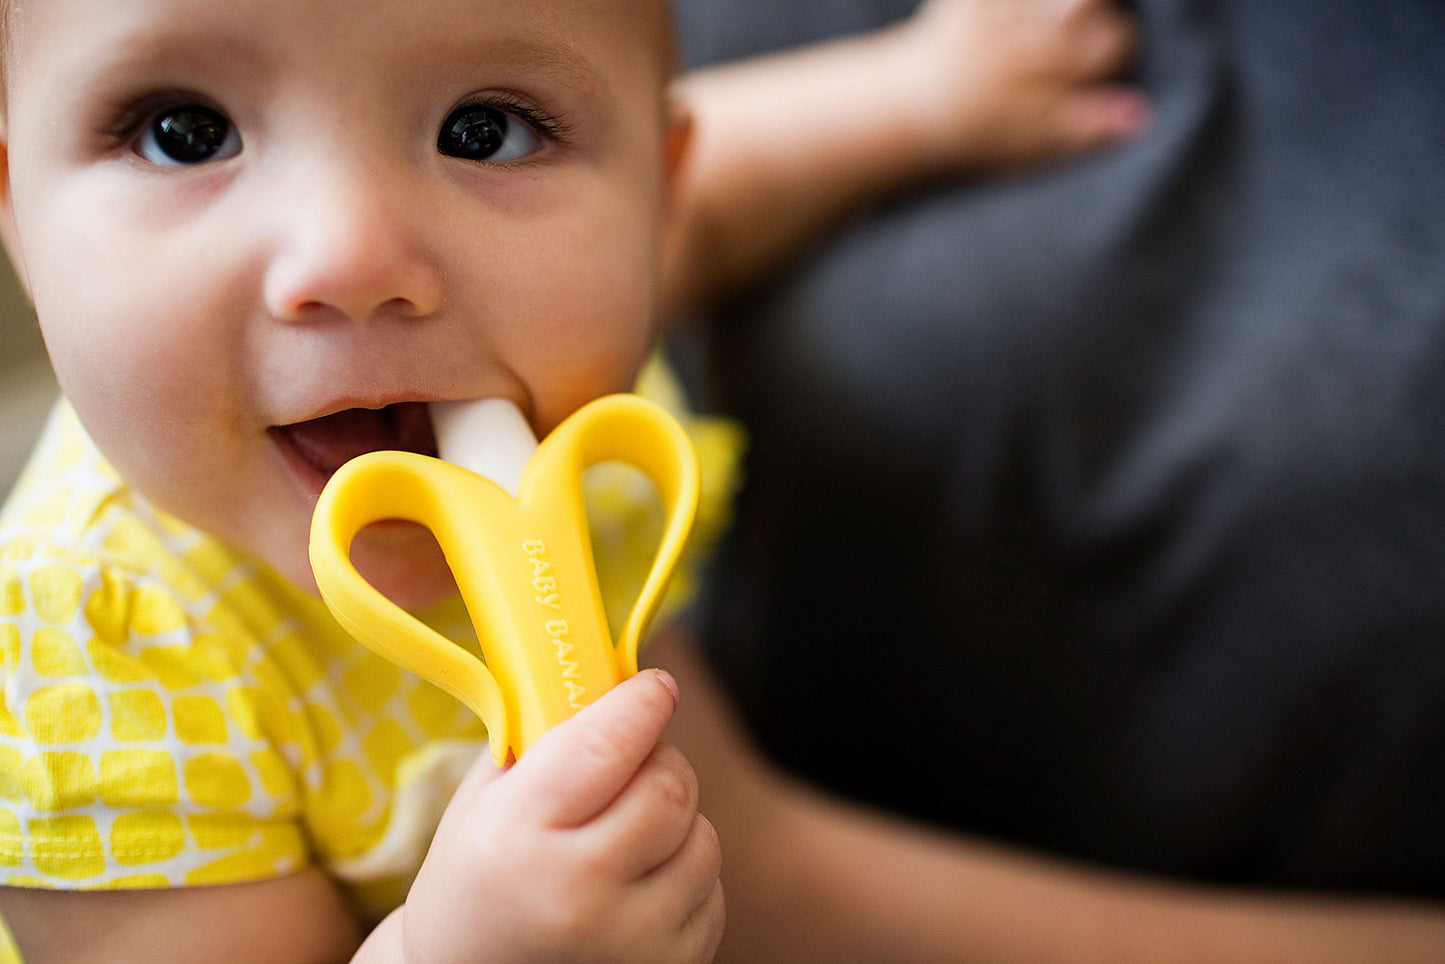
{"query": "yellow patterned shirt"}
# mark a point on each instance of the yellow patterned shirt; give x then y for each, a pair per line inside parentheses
(173, 713)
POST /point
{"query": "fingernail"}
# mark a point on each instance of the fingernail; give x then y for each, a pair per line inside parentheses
(665, 678)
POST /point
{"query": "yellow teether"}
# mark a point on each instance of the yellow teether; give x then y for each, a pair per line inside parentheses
(520, 553)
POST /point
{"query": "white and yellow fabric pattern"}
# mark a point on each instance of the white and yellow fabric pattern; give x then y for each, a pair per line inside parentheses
(174, 714)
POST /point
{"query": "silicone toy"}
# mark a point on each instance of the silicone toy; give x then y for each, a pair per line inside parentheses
(518, 546)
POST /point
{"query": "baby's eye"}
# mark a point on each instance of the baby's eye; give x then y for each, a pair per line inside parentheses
(191, 134)
(477, 132)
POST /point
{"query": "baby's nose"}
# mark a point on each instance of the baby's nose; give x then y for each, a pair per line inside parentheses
(355, 246)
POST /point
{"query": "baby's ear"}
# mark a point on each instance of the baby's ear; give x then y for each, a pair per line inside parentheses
(678, 141)
(676, 203)
(7, 210)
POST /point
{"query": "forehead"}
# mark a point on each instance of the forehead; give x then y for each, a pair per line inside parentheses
(599, 36)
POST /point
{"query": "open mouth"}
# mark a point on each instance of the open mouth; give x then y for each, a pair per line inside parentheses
(322, 445)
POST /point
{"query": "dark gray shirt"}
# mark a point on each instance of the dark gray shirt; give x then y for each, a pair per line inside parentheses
(1103, 509)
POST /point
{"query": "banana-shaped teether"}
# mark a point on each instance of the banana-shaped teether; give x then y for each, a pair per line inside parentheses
(510, 518)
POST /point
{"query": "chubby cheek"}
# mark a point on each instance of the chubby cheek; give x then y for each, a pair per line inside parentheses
(588, 334)
(179, 440)
(138, 330)
(146, 361)
(160, 387)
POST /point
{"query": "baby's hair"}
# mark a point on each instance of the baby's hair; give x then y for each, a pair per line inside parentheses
(664, 13)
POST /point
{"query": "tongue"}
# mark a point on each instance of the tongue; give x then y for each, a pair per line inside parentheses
(330, 442)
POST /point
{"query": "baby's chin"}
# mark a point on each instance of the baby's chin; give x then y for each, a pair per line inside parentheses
(404, 563)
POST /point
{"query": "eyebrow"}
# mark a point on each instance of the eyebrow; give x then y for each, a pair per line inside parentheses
(535, 52)
(557, 59)
(529, 51)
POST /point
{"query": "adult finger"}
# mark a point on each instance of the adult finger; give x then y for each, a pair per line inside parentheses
(1106, 114)
(1105, 39)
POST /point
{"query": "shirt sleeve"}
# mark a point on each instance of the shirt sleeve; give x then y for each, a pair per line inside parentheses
(138, 745)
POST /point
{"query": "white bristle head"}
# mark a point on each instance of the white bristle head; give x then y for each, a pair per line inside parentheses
(490, 436)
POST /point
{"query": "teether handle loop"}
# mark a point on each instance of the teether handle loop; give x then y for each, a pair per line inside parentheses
(630, 429)
(399, 485)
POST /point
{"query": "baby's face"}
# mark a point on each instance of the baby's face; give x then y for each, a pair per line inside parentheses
(239, 219)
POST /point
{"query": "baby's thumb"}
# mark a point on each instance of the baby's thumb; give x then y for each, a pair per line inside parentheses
(582, 764)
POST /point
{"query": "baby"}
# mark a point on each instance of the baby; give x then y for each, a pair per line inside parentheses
(260, 237)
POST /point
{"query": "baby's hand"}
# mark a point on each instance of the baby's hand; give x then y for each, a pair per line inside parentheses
(1006, 83)
(588, 848)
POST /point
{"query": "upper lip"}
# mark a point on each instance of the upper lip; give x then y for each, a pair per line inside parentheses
(346, 403)
(321, 445)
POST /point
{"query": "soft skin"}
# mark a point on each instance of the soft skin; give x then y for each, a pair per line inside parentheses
(337, 260)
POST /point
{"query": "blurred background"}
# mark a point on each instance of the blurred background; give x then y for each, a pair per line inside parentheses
(27, 386)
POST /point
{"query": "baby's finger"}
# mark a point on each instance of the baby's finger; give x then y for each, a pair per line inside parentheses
(650, 819)
(689, 885)
(703, 931)
(698, 937)
(581, 765)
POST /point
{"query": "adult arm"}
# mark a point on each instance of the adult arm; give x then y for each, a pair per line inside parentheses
(785, 145)
(811, 878)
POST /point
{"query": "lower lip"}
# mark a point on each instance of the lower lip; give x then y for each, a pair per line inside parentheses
(311, 479)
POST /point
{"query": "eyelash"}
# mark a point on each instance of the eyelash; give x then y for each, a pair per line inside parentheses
(549, 126)
(133, 119)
